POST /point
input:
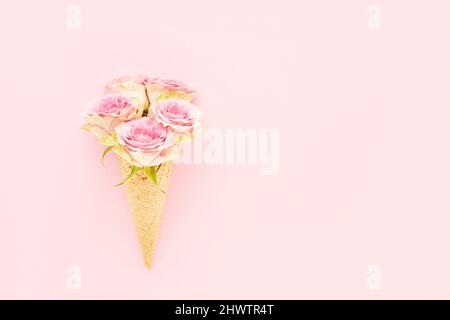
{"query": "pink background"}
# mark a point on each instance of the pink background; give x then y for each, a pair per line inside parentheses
(364, 173)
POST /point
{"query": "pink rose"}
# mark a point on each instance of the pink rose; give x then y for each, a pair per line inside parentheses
(132, 86)
(105, 113)
(113, 105)
(147, 141)
(181, 116)
(157, 87)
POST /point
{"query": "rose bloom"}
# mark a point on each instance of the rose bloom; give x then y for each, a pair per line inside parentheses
(181, 116)
(105, 113)
(147, 141)
(157, 87)
(132, 86)
(170, 84)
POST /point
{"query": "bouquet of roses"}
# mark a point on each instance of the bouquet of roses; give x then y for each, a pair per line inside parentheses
(144, 121)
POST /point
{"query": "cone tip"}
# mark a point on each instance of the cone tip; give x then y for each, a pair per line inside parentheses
(148, 263)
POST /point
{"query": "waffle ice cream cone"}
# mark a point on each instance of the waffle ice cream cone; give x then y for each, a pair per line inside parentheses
(147, 204)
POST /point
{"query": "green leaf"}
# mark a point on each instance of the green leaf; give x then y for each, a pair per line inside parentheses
(121, 152)
(108, 140)
(134, 170)
(159, 166)
(163, 96)
(174, 95)
(150, 172)
(105, 153)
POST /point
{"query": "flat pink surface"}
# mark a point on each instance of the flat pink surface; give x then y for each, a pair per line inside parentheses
(364, 178)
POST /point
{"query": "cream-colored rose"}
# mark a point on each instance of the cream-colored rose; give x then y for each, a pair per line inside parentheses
(181, 116)
(107, 112)
(132, 86)
(164, 88)
(146, 142)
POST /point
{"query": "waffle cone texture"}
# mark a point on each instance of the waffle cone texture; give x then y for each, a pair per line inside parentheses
(147, 205)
